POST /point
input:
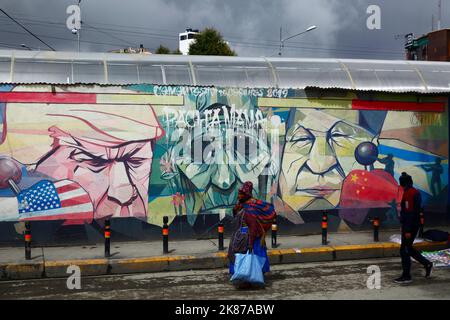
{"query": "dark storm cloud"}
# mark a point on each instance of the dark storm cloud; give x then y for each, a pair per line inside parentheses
(251, 27)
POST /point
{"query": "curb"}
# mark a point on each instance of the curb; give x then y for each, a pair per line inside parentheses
(99, 267)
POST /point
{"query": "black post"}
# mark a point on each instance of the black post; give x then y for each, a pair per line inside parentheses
(274, 234)
(220, 230)
(107, 238)
(27, 240)
(165, 232)
(422, 223)
(376, 227)
(324, 228)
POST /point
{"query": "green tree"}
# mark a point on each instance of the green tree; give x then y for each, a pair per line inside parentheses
(176, 51)
(210, 42)
(162, 50)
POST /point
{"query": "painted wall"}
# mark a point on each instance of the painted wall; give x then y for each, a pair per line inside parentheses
(80, 154)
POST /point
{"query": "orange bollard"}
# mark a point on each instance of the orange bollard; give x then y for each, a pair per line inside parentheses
(324, 228)
(220, 230)
(376, 226)
(274, 234)
(107, 238)
(165, 233)
(27, 240)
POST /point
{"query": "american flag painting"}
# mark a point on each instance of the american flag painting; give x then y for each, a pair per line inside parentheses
(59, 200)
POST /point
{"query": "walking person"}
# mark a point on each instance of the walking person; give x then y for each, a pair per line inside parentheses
(410, 224)
(252, 219)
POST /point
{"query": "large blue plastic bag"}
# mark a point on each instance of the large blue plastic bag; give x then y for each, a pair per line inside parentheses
(248, 268)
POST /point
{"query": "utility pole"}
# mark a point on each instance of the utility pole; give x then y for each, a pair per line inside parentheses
(439, 15)
(281, 37)
(81, 21)
(295, 35)
(73, 22)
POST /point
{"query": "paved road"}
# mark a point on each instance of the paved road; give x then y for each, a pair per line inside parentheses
(329, 280)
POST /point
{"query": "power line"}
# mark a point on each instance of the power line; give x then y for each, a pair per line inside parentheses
(171, 37)
(65, 39)
(23, 27)
(266, 44)
(90, 28)
(267, 47)
(108, 34)
(313, 48)
(255, 45)
(98, 23)
(137, 33)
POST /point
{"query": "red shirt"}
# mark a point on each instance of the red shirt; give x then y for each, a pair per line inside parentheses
(410, 208)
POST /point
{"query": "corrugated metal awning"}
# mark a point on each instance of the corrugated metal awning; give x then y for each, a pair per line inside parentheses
(33, 67)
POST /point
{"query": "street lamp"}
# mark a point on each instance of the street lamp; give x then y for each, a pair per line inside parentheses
(77, 31)
(295, 35)
(74, 22)
(23, 45)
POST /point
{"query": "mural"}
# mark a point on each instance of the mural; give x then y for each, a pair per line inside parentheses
(85, 153)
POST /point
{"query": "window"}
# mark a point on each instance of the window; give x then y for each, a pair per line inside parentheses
(192, 35)
(183, 38)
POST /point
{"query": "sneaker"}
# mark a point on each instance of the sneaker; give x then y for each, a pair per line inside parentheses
(428, 270)
(403, 280)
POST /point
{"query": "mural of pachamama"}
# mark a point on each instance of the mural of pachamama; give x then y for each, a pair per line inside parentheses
(73, 155)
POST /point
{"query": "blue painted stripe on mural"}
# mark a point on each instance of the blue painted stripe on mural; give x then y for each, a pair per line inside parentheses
(4, 88)
(406, 155)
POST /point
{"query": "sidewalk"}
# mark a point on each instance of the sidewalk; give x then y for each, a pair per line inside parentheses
(133, 257)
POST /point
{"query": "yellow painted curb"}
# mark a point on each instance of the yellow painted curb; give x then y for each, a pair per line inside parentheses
(13, 271)
(13, 264)
(62, 263)
(154, 259)
(430, 244)
(287, 251)
(316, 250)
(221, 254)
(273, 252)
(391, 245)
(358, 247)
(19, 267)
(211, 260)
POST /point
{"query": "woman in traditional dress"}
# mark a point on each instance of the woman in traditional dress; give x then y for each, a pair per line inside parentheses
(252, 219)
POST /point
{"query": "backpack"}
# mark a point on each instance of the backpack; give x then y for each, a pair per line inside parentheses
(239, 239)
(436, 235)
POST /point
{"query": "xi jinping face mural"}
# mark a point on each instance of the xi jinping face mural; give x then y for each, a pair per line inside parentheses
(318, 154)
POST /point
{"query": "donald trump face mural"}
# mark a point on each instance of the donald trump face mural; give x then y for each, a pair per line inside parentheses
(106, 148)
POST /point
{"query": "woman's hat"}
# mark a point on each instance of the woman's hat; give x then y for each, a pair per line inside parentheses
(247, 188)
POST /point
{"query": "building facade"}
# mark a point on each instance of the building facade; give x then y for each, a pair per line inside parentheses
(434, 46)
(185, 40)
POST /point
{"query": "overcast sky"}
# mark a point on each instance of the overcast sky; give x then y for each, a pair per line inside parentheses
(251, 27)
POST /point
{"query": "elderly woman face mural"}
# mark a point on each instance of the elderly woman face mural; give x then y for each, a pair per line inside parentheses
(318, 154)
(228, 146)
(106, 148)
